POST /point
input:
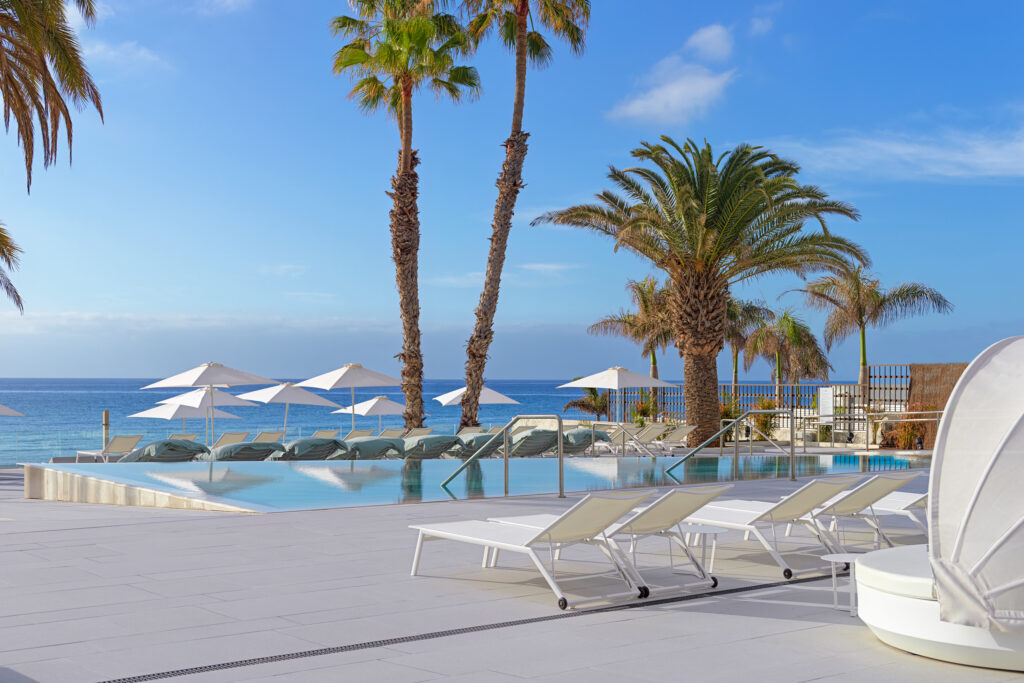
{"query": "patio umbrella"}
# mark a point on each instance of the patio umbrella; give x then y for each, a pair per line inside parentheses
(454, 398)
(287, 393)
(352, 375)
(173, 411)
(378, 405)
(4, 410)
(210, 375)
(616, 378)
(206, 398)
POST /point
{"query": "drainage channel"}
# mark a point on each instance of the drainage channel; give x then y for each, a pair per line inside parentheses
(371, 644)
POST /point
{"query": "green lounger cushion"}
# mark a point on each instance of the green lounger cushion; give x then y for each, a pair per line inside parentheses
(314, 448)
(471, 443)
(533, 442)
(577, 439)
(246, 450)
(167, 450)
(431, 446)
(373, 448)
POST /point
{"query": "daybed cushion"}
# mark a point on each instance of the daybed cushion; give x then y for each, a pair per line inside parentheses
(904, 570)
(431, 446)
(166, 450)
(373, 447)
(314, 448)
(246, 450)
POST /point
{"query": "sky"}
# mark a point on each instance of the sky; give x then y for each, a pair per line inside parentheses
(231, 205)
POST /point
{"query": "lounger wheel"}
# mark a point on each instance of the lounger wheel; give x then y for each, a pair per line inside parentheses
(562, 603)
(787, 573)
(846, 567)
(645, 592)
(714, 582)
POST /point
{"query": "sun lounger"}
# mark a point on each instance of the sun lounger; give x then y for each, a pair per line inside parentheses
(582, 524)
(228, 438)
(183, 437)
(117, 447)
(356, 433)
(167, 450)
(903, 504)
(268, 437)
(314, 448)
(618, 435)
(486, 443)
(577, 439)
(325, 433)
(418, 431)
(466, 431)
(663, 518)
(645, 439)
(532, 442)
(373, 448)
(395, 433)
(496, 430)
(675, 438)
(428, 447)
(752, 516)
(859, 503)
(246, 450)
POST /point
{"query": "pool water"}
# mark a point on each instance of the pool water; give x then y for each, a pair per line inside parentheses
(309, 485)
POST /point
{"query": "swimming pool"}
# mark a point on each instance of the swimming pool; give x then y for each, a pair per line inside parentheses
(309, 485)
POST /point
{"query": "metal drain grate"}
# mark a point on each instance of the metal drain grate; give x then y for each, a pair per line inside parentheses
(370, 644)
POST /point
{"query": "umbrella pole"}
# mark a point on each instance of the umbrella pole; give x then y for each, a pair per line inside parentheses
(353, 389)
(285, 435)
(380, 423)
(209, 390)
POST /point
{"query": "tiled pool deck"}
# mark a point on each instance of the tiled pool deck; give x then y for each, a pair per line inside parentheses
(91, 592)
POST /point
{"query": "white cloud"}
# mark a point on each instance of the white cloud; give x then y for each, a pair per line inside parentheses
(943, 155)
(713, 42)
(468, 279)
(128, 54)
(222, 6)
(761, 25)
(677, 93)
(549, 267)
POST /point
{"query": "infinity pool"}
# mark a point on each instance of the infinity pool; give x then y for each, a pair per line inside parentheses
(285, 486)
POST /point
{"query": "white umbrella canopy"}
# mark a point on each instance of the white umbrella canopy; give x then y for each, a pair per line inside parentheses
(487, 395)
(206, 398)
(210, 375)
(616, 378)
(4, 410)
(175, 411)
(287, 393)
(378, 405)
(351, 376)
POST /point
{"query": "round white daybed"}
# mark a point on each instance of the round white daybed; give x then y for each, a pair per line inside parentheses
(961, 598)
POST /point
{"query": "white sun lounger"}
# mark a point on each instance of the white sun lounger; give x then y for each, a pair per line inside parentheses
(228, 438)
(582, 524)
(116, 448)
(357, 433)
(466, 431)
(903, 504)
(325, 433)
(268, 437)
(675, 438)
(395, 433)
(663, 518)
(418, 431)
(751, 516)
(647, 437)
(184, 437)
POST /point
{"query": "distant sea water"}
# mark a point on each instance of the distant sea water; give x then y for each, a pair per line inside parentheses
(65, 415)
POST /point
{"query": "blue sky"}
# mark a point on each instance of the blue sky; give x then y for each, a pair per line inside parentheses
(232, 205)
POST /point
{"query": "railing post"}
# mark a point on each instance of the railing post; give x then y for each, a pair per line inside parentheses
(792, 446)
(505, 433)
(561, 468)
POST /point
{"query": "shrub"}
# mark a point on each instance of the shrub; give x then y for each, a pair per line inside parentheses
(766, 424)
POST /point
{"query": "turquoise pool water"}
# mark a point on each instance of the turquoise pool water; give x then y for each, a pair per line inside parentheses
(285, 486)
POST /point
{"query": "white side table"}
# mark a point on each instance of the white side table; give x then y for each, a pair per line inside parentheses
(850, 559)
(698, 533)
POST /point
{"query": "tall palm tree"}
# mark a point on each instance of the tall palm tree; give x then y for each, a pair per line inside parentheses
(9, 258)
(789, 343)
(41, 68)
(396, 48)
(742, 318)
(593, 401)
(648, 326)
(568, 20)
(710, 222)
(856, 300)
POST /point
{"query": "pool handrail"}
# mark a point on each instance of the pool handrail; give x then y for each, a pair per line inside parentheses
(504, 434)
(723, 430)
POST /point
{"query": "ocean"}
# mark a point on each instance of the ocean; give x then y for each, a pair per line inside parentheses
(65, 415)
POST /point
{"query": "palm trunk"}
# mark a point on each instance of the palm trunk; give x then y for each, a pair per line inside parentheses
(735, 374)
(509, 183)
(654, 390)
(778, 380)
(405, 245)
(864, 378)
(700, 392)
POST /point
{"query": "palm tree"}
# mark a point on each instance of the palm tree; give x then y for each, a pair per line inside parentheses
(856, 300)
(397, 47)
(9, 258)
(788, 342)
(568, 20)
(742, 318)
(41, 67)
(592, 401)
(710, 222)
(648, 326)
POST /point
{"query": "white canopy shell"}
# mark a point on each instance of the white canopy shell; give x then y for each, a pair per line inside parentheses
(976, 510)
(615, 378)
(487, 395)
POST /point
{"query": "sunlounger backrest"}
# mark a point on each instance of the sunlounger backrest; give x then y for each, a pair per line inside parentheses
(183, 437)
(325, 433)
(807, 498)
(357, 433)
(591, 516)
(868, 493)
(418, 431)
(679, 433)
(228, 438)
(122, 444)
(672, 508)
(269, 437)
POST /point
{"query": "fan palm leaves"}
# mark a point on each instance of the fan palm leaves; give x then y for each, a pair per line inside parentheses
(395, 48)
(517, 23)
(9, 260)
(855, 300)
(710, 221)
(41, 71)
(742, 318)
(597, 403)
(788, 342)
